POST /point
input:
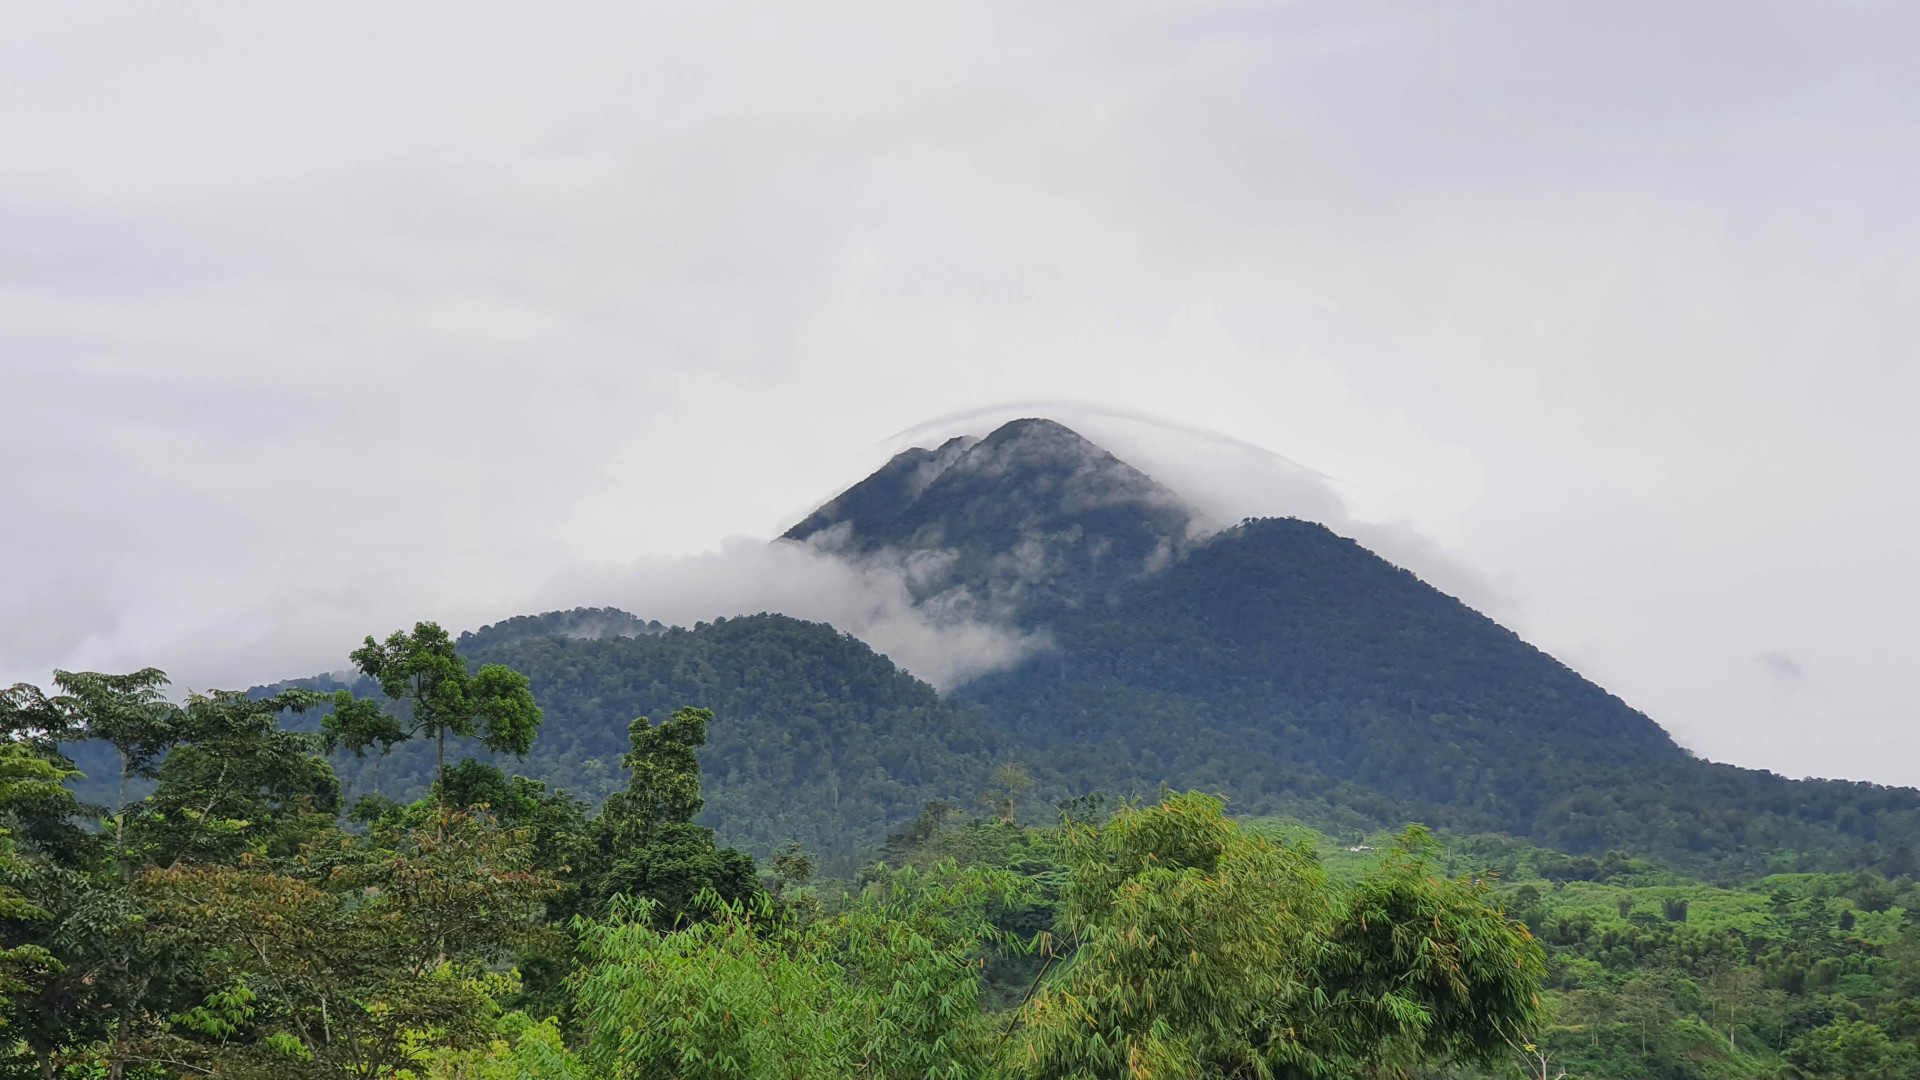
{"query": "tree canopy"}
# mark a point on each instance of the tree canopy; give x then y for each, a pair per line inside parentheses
(237, 922)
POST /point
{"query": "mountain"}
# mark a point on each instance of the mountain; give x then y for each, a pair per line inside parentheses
(1279, 662)
(1275, 662)
(1297, 672)
(1029, 522)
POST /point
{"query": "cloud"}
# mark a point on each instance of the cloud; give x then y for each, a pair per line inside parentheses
(870, 597)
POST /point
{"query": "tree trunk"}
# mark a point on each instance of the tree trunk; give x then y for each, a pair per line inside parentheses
(118, 1068)
(45, 1058)
(443, 761)
(120, 813)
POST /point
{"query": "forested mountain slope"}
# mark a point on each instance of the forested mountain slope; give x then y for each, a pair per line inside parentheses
(815, 737)
(1027, 522)
(1274, 662)
(1279, 662)
(1297, 672)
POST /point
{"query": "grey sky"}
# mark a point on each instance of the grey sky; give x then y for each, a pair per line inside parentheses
(317, 319)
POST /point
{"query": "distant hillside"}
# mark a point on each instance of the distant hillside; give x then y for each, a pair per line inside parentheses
(589, 623)
(815, 737)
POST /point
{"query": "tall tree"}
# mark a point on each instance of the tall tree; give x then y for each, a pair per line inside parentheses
(645, 841)
(51, 1000)
(129, 712)
(423, 669)
(28, 783)
(42, 817)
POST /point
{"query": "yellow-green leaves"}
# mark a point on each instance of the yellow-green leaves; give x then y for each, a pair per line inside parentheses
(1208, 951)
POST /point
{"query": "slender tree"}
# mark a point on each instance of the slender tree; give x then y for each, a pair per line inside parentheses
(423, 669)
(129, 712)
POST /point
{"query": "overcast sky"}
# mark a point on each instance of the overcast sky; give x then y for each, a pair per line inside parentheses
(318, 319)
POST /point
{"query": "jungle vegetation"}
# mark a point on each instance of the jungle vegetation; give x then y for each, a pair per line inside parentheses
(240, 919)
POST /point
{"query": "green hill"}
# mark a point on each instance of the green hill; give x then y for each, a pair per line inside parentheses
(815, 738)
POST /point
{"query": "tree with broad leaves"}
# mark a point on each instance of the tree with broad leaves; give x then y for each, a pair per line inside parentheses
(366, 971)
(1203, 949)
(423, 669)
(29, 785)
(237, 782)
(358, 725)
(129, 712)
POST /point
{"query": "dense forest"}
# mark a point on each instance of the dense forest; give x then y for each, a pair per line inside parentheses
(240, 915)
(1650, 974)
(240, 920)
(818, 739)
(1289, 667)
(815, 739)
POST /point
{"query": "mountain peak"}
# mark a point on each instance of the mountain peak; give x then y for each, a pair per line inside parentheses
(1031, 516)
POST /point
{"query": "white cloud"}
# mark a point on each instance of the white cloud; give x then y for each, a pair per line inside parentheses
(871, 598)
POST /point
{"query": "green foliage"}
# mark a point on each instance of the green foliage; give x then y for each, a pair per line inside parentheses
(235, 781)
(913, 946)
(366, 968)
(29, 783)
(1204, 950)
(357, 725)
(1852, 1050)
(1762, 980)
(128, 712)
(890, 987)
(814, 737)
(520, 1050)
(494, 704)
(644, 842)
(720, 998)
(665, 775)
(227, 925)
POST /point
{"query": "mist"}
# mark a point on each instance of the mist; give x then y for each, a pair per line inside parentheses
(870, 598)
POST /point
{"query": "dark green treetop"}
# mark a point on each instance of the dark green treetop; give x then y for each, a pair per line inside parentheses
(665, 786)
(645, 842)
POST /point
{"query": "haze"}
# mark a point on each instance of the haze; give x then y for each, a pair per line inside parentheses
(318, 320)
